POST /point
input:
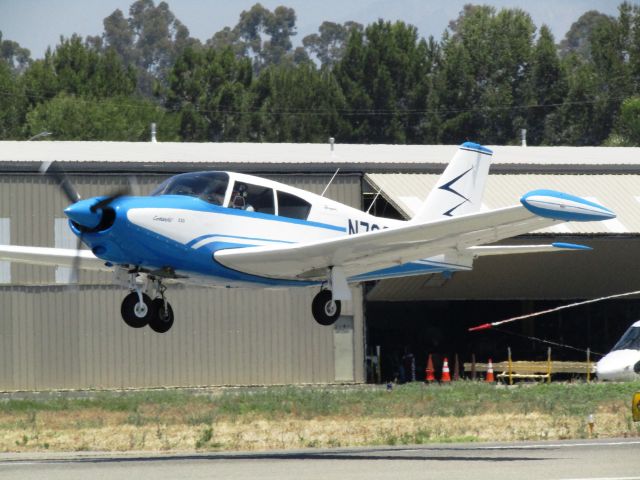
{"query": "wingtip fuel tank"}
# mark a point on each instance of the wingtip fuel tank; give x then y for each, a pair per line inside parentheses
(565, 207)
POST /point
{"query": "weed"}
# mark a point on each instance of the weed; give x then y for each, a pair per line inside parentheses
(205, 437)
(200, 418)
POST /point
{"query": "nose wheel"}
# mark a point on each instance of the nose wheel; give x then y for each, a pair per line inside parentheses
(325, 309)
(138, 310)
(135, 313)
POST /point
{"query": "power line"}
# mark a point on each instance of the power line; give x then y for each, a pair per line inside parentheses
(130, 102)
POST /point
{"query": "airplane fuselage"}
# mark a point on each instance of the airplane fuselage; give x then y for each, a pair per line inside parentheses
(178, 234)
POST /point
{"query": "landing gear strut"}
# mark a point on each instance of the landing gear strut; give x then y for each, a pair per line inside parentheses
(325, 309)
(139, 310)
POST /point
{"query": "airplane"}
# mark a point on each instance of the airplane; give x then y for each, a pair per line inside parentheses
(622, 363)
(236, 230)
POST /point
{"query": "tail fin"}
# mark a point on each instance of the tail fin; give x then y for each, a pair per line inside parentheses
(460, 188)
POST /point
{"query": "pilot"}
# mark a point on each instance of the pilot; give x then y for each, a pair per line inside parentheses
(239, 198)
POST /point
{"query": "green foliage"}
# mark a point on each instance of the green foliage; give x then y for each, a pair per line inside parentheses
(491, 74)
(15, 56)
(627, 130)
(298, 104)
(486, 75)
(118, 118)
(209, 90)
(329, 44)
(12, 103)
(383, 78)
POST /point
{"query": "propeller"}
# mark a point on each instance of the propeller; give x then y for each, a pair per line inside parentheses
(87, 214)
(55, 171)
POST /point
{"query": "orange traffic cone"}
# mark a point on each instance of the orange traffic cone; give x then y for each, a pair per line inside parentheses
(428, 372)
(490, 378)
(446, 376)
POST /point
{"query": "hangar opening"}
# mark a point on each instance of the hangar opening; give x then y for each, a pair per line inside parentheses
(422, 315)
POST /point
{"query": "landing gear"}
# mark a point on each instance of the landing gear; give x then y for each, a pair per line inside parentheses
(325, 309)
(139, 310)
(162, 321)
(136, 309)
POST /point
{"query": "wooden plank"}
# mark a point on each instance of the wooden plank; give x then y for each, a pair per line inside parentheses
(535, 367)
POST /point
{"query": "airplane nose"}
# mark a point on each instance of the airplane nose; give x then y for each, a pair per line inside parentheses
(80, 212)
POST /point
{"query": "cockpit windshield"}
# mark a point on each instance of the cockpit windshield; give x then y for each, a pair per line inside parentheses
(630, 340)
(208, 186)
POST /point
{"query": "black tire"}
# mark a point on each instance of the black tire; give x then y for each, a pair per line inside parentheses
(325, 310)
(162, 320)
(128, 312)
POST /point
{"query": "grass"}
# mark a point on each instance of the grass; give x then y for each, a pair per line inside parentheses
(282, 417)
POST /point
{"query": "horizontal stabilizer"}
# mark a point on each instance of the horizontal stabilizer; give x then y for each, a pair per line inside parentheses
(515, 249)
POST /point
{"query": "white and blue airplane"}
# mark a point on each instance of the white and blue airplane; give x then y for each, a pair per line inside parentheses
(235, 230)
(622, 363)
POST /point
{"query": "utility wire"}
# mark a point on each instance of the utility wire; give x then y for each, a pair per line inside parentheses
(130, 103)
(549, 342)
(486, 326)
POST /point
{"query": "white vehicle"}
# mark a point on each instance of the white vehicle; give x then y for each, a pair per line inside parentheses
(622, 363)
(230, 229)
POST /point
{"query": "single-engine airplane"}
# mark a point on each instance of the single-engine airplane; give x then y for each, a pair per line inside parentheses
(234, 230)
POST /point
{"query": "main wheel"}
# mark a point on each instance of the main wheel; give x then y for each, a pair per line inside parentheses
(325, 310)
(162, 321)
(134, 313)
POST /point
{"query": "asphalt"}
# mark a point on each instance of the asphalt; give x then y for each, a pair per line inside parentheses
(610, 459)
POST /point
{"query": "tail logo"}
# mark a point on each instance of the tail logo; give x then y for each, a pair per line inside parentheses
(448, 187)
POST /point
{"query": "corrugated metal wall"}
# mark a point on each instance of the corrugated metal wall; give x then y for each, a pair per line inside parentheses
(60, 337)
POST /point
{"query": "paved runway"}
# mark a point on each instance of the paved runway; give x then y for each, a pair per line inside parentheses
(564, 460)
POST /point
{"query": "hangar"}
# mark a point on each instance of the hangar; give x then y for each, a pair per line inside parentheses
(57, 335)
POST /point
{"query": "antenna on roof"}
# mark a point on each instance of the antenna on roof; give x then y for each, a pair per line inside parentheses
(329, 184)
(374, 200)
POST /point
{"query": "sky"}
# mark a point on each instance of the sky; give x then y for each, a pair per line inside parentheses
(36, 24)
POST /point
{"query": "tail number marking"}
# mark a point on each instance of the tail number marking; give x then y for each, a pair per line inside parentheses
(360, 226)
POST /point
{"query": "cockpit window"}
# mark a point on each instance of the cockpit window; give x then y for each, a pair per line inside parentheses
(630, 340)
(208, 186)
(292, 206)
(252, 198)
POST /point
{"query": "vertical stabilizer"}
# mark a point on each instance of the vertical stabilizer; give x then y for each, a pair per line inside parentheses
(460, 188)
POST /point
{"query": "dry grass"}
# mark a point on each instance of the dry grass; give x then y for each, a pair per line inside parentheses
(276, 419)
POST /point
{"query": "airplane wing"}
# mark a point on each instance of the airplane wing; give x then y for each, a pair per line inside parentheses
(366, 252)
(63, 257)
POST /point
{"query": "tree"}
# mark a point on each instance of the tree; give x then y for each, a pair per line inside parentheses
(599, 83)
(209, 90)
(548, 88)
(15, 56)
(263, 36)
(296, 104)
(114, 119)
(12, 103)
(382, 75)
(627, 127)
(578, 39)
(329, 44)
(150, 40)
(77, 69)
(485, 75)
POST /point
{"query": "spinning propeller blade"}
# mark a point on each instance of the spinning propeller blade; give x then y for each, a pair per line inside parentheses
(89, 217)
(55, 171)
